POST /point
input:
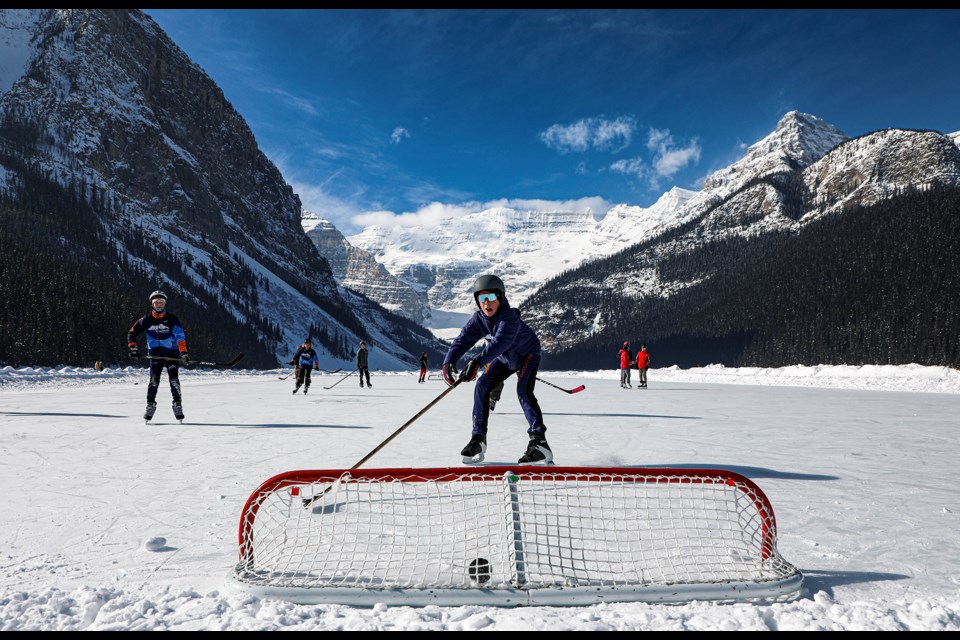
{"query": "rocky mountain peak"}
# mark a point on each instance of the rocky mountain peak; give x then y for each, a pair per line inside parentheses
(799, 140)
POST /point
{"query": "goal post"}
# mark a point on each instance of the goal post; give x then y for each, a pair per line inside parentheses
(511, 536)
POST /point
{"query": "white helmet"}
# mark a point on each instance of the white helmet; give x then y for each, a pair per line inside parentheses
(157, 294)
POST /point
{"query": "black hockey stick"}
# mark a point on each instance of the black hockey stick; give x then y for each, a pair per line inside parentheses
(307, 502)
(225, 365)
(341, 379)
(574, 390)
(294, 371)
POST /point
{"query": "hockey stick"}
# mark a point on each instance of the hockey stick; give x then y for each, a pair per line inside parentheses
(574, 390)
(307, 502)
(341, 379)
(199, 363)
(294, 371)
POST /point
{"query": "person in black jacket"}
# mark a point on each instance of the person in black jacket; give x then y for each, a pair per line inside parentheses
(363, 363)
(423, 367)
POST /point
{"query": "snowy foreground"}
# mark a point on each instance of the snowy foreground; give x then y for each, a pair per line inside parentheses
(110, 524)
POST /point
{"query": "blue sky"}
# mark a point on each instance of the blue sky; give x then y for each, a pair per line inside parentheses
(373, 115)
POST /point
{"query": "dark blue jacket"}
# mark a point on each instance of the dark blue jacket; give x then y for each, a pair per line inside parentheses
(306, 357)
(165, 336)
(509, 339)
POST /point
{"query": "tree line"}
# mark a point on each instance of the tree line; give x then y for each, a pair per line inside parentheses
(874, 284)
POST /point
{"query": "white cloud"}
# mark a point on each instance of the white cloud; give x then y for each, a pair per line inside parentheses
(668, 157)
(635, 167)
(597, 133)
(399, 134)
(436, 212)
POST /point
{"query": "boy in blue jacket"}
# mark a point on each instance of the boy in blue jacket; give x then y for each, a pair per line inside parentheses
(512, 347)
(167, 344)
(303, 360)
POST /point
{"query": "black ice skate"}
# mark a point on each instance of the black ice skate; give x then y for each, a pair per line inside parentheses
(473, 452)
(538, 452)
(178, 411)
(151, 409)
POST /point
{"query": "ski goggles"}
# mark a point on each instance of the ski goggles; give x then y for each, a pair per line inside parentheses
(486, 297)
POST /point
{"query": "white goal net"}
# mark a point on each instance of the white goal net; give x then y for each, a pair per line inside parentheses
(511, 536)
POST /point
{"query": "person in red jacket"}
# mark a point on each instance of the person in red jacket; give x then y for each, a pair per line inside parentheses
(626, 361)
(643, 363)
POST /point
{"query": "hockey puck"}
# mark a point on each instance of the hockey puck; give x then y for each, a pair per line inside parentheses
(479, 570)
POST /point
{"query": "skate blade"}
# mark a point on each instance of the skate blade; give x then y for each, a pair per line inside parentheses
(538, 463)
(473, 459)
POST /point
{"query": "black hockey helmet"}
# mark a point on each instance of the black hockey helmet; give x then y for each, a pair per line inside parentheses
(489, 283)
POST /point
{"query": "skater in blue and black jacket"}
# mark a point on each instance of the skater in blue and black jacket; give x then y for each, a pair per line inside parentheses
(512, 347)
(167, 348)
(303, 360)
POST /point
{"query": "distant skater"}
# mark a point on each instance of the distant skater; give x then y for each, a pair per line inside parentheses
(167, 343)
(643, 363)
(626, 361)
(423, 367)
(305, 359)
(363, 363)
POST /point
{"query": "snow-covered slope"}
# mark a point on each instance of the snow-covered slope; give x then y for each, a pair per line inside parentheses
(524, 247)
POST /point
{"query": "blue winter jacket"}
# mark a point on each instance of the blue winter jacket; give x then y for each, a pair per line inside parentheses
(165, 336)
(509, 339)
(306, 357)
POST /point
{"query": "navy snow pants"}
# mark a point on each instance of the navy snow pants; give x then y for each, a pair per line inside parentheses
(526, 379)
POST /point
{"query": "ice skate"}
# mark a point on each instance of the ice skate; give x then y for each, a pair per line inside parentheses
(538, 452)
(178, 411)
(151, 409)
(473, 452)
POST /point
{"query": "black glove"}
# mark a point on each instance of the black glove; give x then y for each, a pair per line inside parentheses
(184, 358)
(450, 373)
(469, 372)
(134, 352)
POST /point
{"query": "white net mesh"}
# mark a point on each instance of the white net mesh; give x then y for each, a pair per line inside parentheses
(499, 528)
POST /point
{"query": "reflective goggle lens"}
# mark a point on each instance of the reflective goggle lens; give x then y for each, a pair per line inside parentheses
(487, 297)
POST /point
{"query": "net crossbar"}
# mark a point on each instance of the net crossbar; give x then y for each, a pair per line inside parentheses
(511, 536)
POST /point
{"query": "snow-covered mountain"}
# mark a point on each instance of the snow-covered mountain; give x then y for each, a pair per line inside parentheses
(358, 270)
(102, 109)
(523, 247)
(805, 171)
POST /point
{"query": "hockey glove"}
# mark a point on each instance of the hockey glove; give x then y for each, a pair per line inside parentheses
(469, 372)
(134, 352)
(184, 358)
(449, 373)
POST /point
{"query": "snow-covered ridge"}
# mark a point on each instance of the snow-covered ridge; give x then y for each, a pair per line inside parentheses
(909, 377)
(524, 247)
(799, 140)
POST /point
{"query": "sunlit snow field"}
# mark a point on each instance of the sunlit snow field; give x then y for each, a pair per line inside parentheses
(859, 464)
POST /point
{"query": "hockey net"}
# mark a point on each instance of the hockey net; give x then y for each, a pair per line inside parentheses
(511, 536)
